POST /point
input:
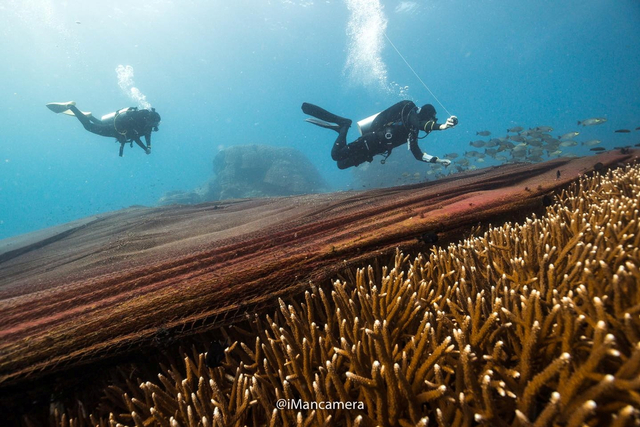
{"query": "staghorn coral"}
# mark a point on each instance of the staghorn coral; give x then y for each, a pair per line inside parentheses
(535, 325)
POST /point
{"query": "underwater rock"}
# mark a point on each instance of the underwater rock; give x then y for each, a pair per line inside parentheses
(248, 171)
(108, 285)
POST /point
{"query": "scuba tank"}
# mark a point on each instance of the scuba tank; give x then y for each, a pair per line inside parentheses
(364, 125)
(111, 116)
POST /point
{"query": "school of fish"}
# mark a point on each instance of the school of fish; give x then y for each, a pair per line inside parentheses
(531, 145)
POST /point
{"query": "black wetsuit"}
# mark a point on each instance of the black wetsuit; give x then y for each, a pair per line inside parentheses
(126, 125)
(391, 128)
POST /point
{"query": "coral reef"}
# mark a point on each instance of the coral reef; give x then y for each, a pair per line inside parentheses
(117, 283)
(532, 324)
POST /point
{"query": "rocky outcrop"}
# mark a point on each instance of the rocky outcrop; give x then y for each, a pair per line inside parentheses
(249, 171)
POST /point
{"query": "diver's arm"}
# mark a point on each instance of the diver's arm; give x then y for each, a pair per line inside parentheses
(423, 157)
(429, 126)
(417, 152)
(414, 147)
(147, 138)
(140, 144)
(426, 126)
(432, 125)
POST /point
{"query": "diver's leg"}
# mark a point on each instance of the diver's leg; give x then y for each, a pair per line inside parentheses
(93, 119)
(92, 124)
(86, 121)
(338, 151)
(359, 151)
(346, 163)
(322, 114)
(355, 155)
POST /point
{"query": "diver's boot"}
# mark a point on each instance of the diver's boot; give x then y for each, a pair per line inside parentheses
(60, 107)
(322, 114)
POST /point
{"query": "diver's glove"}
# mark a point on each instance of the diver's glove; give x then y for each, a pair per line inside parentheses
(434, 159)
(451, 122)
(429, 159)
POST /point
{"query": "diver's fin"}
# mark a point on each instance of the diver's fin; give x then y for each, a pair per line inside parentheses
(322, 114)
(60, 107)
(324, 124)
(71, 113)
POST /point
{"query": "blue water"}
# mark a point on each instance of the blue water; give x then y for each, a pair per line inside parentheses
(224, 73)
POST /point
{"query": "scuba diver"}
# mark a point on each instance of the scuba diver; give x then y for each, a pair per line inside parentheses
(381, 132)
(126, 125)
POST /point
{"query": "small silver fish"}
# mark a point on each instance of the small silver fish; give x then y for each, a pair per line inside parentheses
(516, 129)
(483, 133)
(535, 142)
(592, 142)
(506, 145)
(477, 144)
(592, 121)
(569, 135)
(548, 138)
(543, 128)
(569, 143)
